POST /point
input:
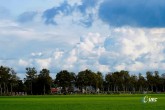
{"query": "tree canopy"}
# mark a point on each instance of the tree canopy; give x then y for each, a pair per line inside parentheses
(41, 82)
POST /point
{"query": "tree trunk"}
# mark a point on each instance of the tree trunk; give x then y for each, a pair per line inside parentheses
(7, 90)
(156, 89)
(163, 88)
(11, 88)
(44, 89)
(134, 89)
(4, 91)
(85, 89)
(114, 88)
(117, 88)
(152, 88)
(31, 88)
(0, 89)
(123, 87)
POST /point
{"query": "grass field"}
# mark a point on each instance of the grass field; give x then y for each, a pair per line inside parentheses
(81, 102)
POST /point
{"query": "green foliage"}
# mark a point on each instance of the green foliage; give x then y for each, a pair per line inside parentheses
(85, 81)
(44, 82)
(31, 73)
(8, 81)
(65, 79)
(30, 80)
(85, 78)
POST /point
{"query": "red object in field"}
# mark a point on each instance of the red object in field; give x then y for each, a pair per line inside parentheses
(54, 90)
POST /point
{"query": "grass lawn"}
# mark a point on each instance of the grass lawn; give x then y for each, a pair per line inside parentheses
(81, 102)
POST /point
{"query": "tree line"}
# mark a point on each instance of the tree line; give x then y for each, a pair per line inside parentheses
(40, 83)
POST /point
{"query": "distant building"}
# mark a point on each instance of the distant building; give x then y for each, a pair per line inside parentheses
(53, 90)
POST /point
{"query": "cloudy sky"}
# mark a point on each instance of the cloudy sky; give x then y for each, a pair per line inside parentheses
(101, 35)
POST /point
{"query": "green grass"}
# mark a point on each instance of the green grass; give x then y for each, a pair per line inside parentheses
(81, 102)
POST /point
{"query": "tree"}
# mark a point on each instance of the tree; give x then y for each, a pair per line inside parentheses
(150, 80)
(31, 75)
(86, 78)
(157, 80)
(45, 80)
(13, 80)
(109, 81)
(141, 82)
(98, 80)
(64, 79)
(4, 79)
(20, 87)
(163, 82)
(116, 81)
(119, 80)
(124, 79)
(133, 82)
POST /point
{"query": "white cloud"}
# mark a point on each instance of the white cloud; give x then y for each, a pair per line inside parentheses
(120, 67)
(136, 66)
(74, 2)
(58, 54)
(43, 63)
(70, 45)
(127, 48)
(134, 45)
(36, 54)
(23, 63)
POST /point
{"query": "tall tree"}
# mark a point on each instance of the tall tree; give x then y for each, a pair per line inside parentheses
(133, 83)
(157, 80)
(116, 81)
(31, 75)
(109, 81)
(85, 78)
(98, 80)
(4, 79)
(124, 79)
(13, 79)
(150, 80)
(45, 81)
(65, 79)
(163, 82)
(141, 83)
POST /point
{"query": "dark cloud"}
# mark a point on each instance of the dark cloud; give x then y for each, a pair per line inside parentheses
(136, 13)
(27, 17)
(49, 14)
(66, 9)
(87, 4)
(87, 22)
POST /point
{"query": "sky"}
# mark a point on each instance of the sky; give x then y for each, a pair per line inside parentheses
(74, 35)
